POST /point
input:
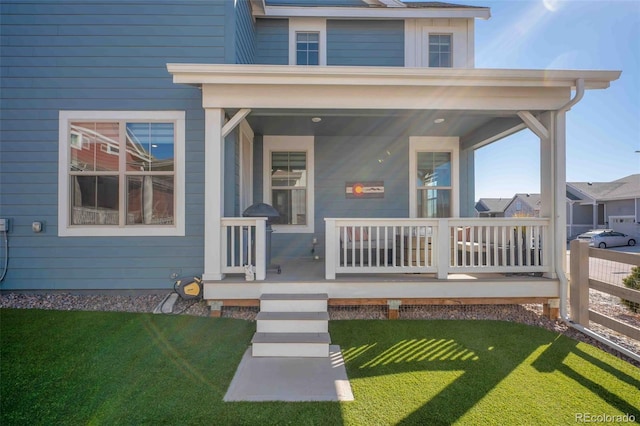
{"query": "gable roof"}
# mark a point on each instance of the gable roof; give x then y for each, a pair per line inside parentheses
(624, 188)
(492, 205)
(533, 200)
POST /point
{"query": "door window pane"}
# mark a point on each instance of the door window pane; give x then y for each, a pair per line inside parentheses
(289, 183)
(433, 183)
(433, 203)
(434, 169)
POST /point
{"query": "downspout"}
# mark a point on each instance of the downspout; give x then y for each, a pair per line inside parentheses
(564, 284)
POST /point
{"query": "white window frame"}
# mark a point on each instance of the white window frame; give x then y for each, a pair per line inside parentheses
(64, 151)
(272, 143)
(434, 144)
(308, 25)
(416, 41)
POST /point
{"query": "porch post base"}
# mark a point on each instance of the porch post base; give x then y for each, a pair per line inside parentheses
(207, 276)
(394, 309)
(216, 308)
(551, 309)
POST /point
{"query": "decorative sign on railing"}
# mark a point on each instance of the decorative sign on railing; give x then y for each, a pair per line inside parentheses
(371, 189)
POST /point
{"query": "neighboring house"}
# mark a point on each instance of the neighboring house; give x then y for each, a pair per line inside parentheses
(593, 205)
(357, 120)
(491, 207)
(520, 205)
(524, 205)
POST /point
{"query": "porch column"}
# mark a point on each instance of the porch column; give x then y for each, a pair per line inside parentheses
(558, 127)
(548, 178)
(213, 192)
(467, 182)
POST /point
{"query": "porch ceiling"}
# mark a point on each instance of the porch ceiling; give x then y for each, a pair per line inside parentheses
(369, 122)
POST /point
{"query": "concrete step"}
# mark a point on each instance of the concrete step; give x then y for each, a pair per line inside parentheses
(292, 322)
(312, 302)
(291, 345)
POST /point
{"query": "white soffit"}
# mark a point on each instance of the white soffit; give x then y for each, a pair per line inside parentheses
(198, 74)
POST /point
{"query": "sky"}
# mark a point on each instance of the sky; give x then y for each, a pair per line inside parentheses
(603, 129)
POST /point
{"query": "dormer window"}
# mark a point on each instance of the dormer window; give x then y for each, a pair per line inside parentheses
(440, 51)
(307, 48)
(307, 41)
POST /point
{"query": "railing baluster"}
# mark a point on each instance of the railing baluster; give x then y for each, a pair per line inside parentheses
(495, 247)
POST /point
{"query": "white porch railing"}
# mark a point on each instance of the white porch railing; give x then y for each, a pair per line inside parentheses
(244, 243)
(440, 246)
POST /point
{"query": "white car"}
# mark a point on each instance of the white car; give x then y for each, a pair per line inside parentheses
(610, 238)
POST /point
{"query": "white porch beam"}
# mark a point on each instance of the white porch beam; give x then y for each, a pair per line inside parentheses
(213, 193)
(234, 121)
(533, 124)
(401, 97)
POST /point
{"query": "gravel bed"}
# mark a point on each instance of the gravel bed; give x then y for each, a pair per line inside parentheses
(526, 314)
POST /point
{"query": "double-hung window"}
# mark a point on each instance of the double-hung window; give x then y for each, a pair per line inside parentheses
(288, 181)
(433, 183)
(121, 173)
(440, 51)
(433, 168)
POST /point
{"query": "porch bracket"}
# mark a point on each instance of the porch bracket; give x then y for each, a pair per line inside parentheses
(534, 124)
(234, 121)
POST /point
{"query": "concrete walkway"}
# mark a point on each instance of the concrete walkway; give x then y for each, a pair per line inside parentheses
(291, 379)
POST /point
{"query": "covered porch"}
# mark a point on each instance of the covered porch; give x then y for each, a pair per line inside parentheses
(367, 126)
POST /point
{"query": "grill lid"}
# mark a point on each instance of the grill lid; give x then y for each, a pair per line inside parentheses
(261, 210)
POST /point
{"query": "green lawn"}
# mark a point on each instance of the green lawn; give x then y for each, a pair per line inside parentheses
(119, 368)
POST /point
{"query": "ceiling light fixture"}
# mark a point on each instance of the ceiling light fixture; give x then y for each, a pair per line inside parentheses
(438, 120)
(316, 119)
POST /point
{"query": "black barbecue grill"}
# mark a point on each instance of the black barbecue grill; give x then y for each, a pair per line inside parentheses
(264, 210)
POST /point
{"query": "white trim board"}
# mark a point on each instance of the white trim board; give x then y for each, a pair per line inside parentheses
(272, 143)
(64, 204)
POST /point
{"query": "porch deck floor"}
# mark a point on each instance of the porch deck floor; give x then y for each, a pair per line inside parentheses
(311, 270)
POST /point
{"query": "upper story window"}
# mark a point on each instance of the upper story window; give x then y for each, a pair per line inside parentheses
(307, 41)
(307, 48)
(121, 173)
(440, 51)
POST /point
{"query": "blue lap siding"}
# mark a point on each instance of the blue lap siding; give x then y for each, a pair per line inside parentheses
(112, 55)
(365, 43)
(95, 55)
